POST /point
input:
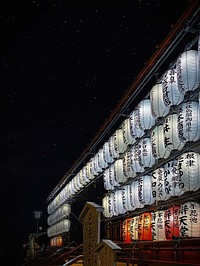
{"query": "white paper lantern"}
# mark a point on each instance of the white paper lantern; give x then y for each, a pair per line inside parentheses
(145, 194)
(126, 197)
(101, 159)
(89, 174)
(109, 184)
(134, 186)
(171, 93)
(147, 158)
(188, 71)
(136, 131)
(97, 167)
(112, 208)
(126, 129)
(189, 219)
(127, 167)
(158, 225)
(119, 143)
(93, 170)
(173, 183)
(145, 117)
(158, 144)
(118, 171)
(189, 121)
(136, 158)
(189, 171)
(106, 211)
(160, 185)
(107, 153)
(118, 202)
(113, 150)
(113, 176)
(171, 136)
(158, 106)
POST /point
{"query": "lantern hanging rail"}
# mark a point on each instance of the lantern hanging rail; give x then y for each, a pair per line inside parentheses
(175, 36)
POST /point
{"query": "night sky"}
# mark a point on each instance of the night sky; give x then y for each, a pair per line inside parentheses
(64, 66)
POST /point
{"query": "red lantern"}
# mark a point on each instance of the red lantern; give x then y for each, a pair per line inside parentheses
(172, 222)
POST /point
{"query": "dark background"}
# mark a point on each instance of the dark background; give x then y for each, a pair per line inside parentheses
(64, 66)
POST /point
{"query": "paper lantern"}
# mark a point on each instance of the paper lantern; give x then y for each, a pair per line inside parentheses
(136, 131)
(107, 153)
(189, 121)
(112, 147)
(188, 71)
(144, 226)
(158, 106)
(101, 159)
(113, 176)
(126, 198)
(126, 230)
(158, 225)
(147, 158)
(171, 93)
(136, 158)
(145, 117)
(189, 219)
(173, 183)
(145, 193)
(97, 166)
(172, 222)
(158, 143)
(127, 167)
(171, 136)
(119, 142)
(189, 171)
(112, 206)
(118, 202)
(88, 172)
(118, 171)
(134, 228)
(109, 183)
(106, 207)
(126, 129)
(134, 195)
(93, 169)
(160, 185)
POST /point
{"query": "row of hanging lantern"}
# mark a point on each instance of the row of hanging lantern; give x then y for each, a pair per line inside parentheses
(176, 221)
(176, 130)
(59, 228)
(174, 178)
(61, 213)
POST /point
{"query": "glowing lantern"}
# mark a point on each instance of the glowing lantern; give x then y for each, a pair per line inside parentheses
(109, 183)
(118, 171)
(158, 106)
(171, 93)
(160, 185)
(173, 184)
(107, 153)
(136, 158)
(105, 202)
(147, 158)
(188, 71)
(158, 144)
(189, 171)
(126, 198)
(101, 159)
(145, 194)
(113, 151)
(97, 167)
(134, 228)
(113, 176)
(172, 222)
(89, 174)
(126, 129)
(126, 230)
(118, 202)
(127, 167)
(134, 197)
(112, 207)
(93, 170)
(119, 143)
(158, 225)
(144, 226)
(189, 219)
(171, 139)
(189, 121)
(145, 117)
(136, 131)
